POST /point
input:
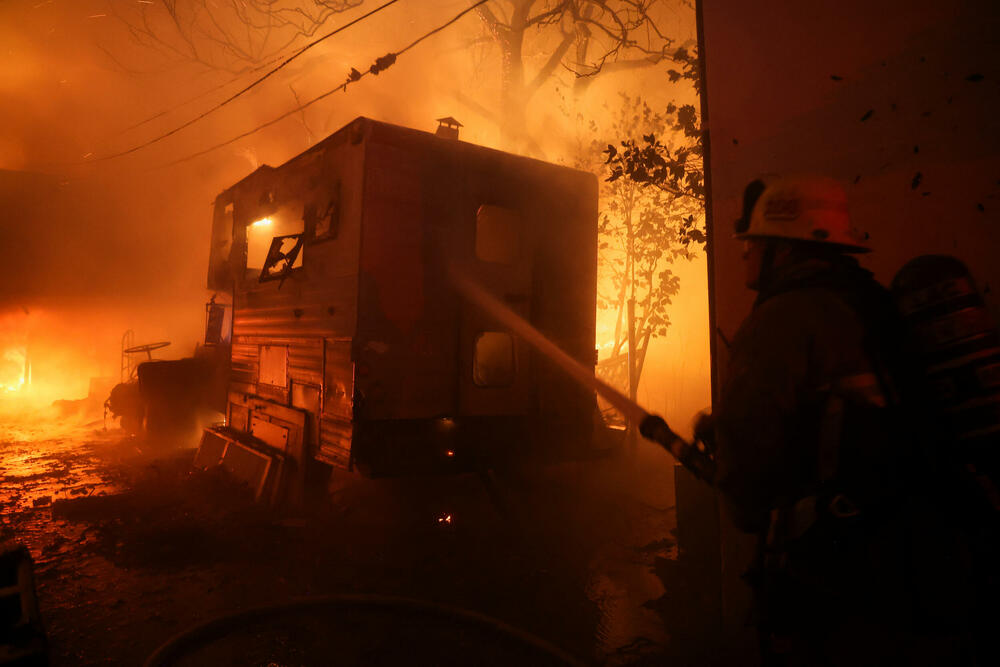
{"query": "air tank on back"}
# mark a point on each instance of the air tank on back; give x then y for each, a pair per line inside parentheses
(958, 344)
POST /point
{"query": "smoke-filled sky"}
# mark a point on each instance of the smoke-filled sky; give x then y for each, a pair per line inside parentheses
(115, 244)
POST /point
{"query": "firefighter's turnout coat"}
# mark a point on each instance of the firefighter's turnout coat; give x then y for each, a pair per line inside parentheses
(803, 361)
(816, 455)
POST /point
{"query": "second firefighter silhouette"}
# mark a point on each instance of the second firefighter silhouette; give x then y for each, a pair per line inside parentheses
(815, 451)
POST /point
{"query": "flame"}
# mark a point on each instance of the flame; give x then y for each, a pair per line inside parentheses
(45, 358)
(12, 387)
(15, 371)
(263, 222)
(444, 519)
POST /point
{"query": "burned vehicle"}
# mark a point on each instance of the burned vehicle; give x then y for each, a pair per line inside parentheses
(349, 347)
(164, 400)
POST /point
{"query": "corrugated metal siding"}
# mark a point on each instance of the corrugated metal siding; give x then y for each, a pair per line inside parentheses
(338, 399)
(336, 427)
(301, 317)
(305, 356)
(325, 306)
(335, 441)
(244, 363)
(317, 301)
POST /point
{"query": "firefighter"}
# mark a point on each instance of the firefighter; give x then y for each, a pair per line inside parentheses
(817, 448)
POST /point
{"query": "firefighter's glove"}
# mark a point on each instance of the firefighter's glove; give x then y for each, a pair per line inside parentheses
(696, 459)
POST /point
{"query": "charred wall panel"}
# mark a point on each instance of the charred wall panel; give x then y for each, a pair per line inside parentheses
(244, 366)
(558, 208)
(336, 429)
(338, 380)
(305, 355)
(406, 329)
(334, 442)
(311, 302)
(422, 196)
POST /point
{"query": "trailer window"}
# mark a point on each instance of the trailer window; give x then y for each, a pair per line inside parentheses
(498, 235)
(284, 255)
(493, 359)
(322, 217)
(273, 369)
(220, 272)
(286, 221)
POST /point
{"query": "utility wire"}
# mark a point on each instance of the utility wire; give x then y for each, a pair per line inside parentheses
(200, 95)
(247, 88)
(380, 65)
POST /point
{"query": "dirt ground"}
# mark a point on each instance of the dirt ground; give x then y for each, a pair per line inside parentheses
(132, 546)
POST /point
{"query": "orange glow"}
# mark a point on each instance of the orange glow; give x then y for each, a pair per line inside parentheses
(13, 369)
(675, 379)
(139, 272)
(449, 453)
(56, 366)
(29, 469)
(444, 519)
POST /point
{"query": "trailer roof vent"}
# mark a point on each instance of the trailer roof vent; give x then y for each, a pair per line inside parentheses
(448, 127)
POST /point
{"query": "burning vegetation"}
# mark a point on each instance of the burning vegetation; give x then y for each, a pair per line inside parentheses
(15, 370)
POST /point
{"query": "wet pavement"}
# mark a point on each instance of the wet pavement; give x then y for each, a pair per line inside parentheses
(132, 546)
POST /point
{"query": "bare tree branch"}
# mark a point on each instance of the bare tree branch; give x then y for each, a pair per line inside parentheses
(558, 54)
(608, 36)
(230, 35)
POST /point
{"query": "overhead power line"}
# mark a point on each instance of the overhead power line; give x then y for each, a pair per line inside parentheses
(247, 88)
(200, 95)
(380, 65)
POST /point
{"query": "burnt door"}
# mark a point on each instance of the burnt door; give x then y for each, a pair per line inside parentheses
(494, 364)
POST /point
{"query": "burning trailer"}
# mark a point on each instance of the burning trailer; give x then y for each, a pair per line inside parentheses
(351, 350)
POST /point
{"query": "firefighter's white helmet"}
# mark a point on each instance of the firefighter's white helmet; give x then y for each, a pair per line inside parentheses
(804, 208)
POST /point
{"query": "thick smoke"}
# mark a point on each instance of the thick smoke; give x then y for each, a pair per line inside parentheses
(92, 248)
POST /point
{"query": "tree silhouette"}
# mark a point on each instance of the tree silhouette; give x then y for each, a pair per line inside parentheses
(652, 214)
(231, 35)
(677, 167)
(526, 44)
(537, 39)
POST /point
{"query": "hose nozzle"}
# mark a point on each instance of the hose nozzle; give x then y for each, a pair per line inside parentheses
(693, 456)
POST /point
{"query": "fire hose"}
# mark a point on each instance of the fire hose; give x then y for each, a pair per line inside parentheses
(184, 647)
(695, 456)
